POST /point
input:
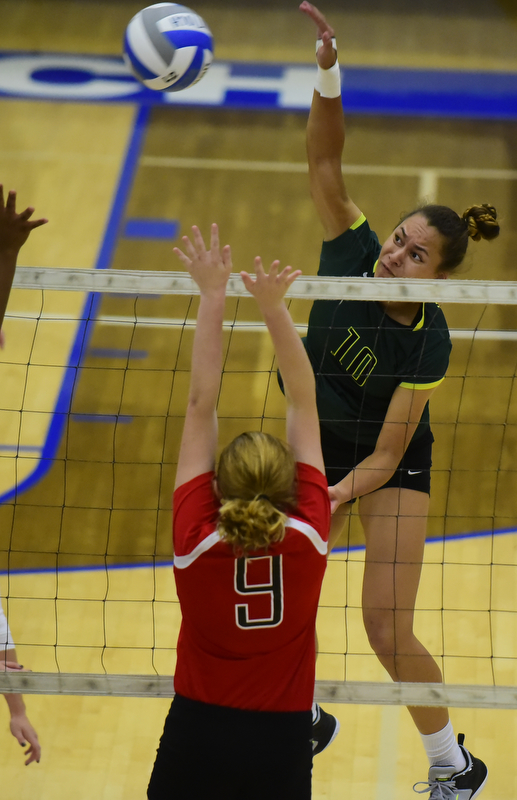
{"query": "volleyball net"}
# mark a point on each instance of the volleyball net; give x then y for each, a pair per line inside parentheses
(94, 379)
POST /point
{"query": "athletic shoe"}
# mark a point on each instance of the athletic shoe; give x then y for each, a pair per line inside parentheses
(445, 784)
(324, 730)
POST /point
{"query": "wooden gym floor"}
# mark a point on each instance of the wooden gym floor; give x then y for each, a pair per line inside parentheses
(66, 160)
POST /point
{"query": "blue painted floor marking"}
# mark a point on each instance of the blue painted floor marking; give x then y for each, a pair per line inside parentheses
(151, 229)
(259, 86)
(71, 373)
(20, 448)
(114, 352)
(110, 418)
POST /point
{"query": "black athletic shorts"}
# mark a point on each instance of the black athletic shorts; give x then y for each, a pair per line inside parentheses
(209, 752)
(413, 472)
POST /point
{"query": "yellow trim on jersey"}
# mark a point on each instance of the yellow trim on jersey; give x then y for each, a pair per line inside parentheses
(375, 266)
(421, 385)
(358, 223)
(420, 323)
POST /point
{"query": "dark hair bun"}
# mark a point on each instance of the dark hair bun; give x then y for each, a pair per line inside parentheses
(481, 222)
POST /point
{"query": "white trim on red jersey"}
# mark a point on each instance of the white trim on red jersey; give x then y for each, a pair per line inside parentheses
(311, 533)
(182, 562)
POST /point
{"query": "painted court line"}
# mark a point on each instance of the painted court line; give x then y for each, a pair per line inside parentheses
(237, 165)
(52, 430)
(428, 177)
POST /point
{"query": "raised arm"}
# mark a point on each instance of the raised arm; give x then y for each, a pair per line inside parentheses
(210, 269)
(303, 433)
(326, 136)
(14, 232)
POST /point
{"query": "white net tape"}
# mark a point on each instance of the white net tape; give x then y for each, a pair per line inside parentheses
(148, 282)
(359, 692)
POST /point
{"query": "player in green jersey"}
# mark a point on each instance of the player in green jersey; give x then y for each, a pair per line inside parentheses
(377, 365)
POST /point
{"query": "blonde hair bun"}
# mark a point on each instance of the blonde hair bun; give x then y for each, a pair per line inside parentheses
(256, 481)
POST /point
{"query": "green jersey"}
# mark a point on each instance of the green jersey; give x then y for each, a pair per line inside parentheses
(360, 355)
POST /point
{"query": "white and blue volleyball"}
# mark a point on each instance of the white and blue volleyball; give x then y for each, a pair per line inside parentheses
(168, 47)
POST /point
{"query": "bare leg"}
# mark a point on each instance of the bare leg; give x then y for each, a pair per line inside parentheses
(394, 523)
(337, 525)
(338, 522)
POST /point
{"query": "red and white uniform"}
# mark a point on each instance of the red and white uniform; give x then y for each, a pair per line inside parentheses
(247, 634)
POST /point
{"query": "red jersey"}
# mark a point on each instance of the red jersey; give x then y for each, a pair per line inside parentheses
(247, 633)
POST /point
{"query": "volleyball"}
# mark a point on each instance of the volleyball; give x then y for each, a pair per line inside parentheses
(168, 47)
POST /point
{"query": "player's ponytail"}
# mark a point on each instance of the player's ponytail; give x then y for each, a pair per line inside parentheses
(481, 222)
(255, 478)
(251, 524)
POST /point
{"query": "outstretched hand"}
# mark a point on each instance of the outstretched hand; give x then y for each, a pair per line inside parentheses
(326, 54)
(269, 290)
(15, 228)
(25, 734)
(209, 268)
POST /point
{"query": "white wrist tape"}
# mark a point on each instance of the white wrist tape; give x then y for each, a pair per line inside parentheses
(328, 81)
(319, 43)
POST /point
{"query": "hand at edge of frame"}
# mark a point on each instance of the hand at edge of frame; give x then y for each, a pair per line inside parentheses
(15, 228)
(12, 666)
(25, 734)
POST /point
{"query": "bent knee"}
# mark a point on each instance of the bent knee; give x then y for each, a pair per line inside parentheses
(387, 633)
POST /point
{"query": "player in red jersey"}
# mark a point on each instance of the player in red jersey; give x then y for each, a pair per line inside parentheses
(250, 543)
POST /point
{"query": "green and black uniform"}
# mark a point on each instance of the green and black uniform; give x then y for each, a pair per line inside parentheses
(360, 356)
